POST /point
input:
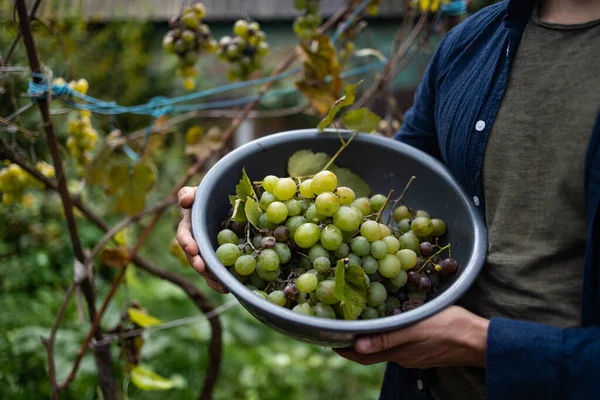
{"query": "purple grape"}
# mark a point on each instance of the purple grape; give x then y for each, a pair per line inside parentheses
(413, 278)
(417, 266)
(426, 249)
(411, 305)
(449, 267)
(424, 284)
(396, 311)
(290, 292)
(375, 277)
(238, 228)
(402, 296)
(282, 234)
(268, 242)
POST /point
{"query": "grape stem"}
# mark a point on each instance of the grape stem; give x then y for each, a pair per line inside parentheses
(384, 206)
(344, 145)
(248, 241)
(401, 199)
(434, 255)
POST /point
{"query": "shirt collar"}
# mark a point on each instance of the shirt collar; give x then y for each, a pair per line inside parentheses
(519, 11)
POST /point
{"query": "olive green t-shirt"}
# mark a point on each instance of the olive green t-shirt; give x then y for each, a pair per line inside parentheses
(533, 180)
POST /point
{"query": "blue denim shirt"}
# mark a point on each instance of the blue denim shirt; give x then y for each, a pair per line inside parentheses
(454, 110)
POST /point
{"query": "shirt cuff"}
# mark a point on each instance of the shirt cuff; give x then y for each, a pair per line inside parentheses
(523, 361)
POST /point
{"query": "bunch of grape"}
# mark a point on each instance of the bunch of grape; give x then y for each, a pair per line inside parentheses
(14, 181)
(305, 26)
(188, 38)
(81, 141)
(304, 230)
(388, 128)
(244, 51)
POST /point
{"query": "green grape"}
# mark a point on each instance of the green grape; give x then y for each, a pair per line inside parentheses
(283, 251)
(268, 276)
(240, 28)
(369, 313)
(227, 253)
(389, 266)
(293, 207)
(353, 259)
(302, 298)
(400, 279)
(324, 181)
(300, 4)
(322, 264)
(409, 241)
(376, 294)
(367, 279)
(269, 260)
(304, 308)
(417, 295)
(401, 213)
(245, 265)
(393, 244)
(323, 311)
(262, 49)
(326, 292)
(327, 204)
(421, 226)
(370, 264)
(370, 230)
(313, 215)
(285, 189)
(404, 225)
(265, 200)
(408, 258)
(317, 251)
(385, 231)
(346, 195)
(347, 219)
(307, 235)
(257, 241)
(293, 223)
(422, 213)
(269, 183)
(378, 249)
(251, 287)
(277, 297)
(188, 36)
(439, 227)
(360, 246)
(377, 201)
(331, 237)
(277, 212)
(257, 280)
(227, 236)
(255, 26)
(168, 44)
(261, 294)
(190, 20)
(307, 282)
(264, 223)
(343, 251)
(241, 278)
(363, 205)
(320, 276)
(392, 303)
(305, 189)
(304, 204)
(381, 309)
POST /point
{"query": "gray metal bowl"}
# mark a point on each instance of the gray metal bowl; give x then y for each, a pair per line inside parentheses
(385, 164)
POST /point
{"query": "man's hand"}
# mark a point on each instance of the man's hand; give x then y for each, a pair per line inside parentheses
(186, 241)
(454, 337)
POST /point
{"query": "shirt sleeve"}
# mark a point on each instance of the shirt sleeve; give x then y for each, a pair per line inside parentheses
(526, 360)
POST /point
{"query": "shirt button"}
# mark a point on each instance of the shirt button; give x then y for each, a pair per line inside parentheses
(476, 200)
(420, 384)
(480, 125)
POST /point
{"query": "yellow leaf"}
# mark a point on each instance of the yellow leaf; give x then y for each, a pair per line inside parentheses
(320, 98)
(145, 379)
(133, 187)
(117, 257)
(142, 319)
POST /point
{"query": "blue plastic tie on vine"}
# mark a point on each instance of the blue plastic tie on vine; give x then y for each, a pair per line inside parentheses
(349, 21)
(455, 8)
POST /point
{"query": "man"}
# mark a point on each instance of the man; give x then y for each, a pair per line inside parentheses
(510, 103)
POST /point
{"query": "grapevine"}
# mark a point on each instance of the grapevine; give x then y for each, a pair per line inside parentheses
(188, 38)
(244, 51)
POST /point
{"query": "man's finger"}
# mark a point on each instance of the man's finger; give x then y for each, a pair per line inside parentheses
(184, 235)
(186, 196)
(384, 341)
(364, 359)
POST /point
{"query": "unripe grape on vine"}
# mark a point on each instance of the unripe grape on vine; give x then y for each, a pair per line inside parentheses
(244, 51)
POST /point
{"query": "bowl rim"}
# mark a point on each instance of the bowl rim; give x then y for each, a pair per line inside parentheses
(453, 293)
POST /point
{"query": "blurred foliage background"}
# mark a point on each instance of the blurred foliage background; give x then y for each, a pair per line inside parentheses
(123, 61)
